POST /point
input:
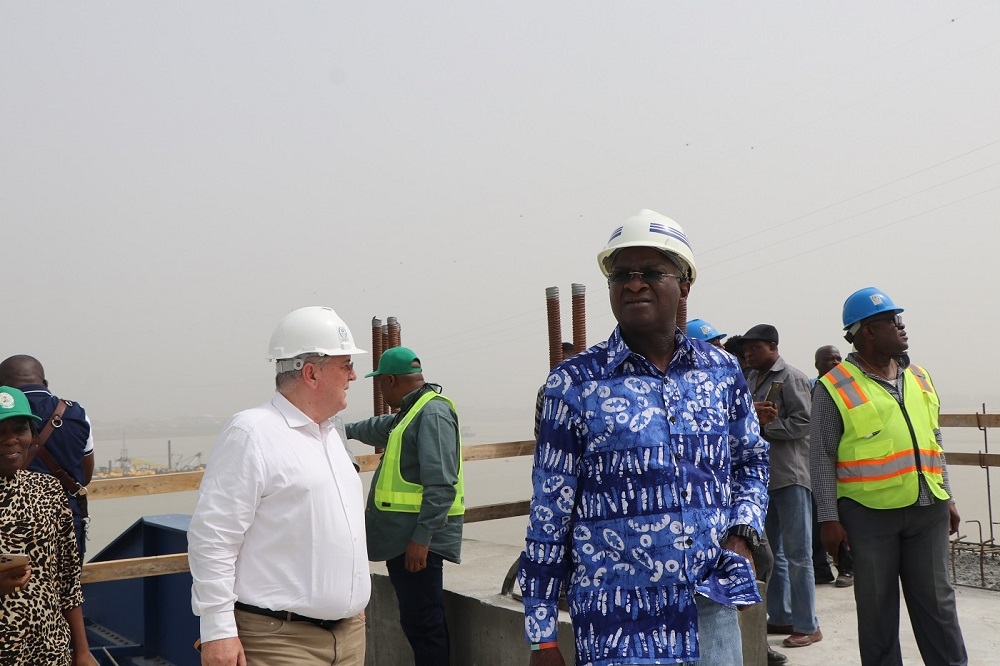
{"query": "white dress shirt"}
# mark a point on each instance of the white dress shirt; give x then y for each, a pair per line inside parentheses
(280, 522)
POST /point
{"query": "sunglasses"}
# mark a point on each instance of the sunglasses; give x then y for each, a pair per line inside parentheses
(896, 320)
(647, 277)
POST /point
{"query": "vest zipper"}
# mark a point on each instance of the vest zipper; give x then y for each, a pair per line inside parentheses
(909, 425)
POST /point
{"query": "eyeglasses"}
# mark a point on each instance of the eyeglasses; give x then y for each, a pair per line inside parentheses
(323, 361)
(646, 276)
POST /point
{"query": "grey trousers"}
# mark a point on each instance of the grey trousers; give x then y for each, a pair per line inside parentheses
(908, 546)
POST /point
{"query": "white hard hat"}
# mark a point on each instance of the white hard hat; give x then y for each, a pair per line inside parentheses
(314, 331)
(650, 229)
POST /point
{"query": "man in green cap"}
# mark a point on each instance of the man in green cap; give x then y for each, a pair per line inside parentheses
(416, 503)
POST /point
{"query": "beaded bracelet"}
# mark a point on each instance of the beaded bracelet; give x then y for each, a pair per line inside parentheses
(544, 646)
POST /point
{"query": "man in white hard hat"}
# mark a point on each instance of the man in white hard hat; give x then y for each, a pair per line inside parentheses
(650, 478)
(277, 540)
(880, 480)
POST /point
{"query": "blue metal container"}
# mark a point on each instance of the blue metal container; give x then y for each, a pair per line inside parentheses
(144, 620)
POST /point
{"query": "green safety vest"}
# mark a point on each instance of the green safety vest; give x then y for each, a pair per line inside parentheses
(885, 445)
(392, 491)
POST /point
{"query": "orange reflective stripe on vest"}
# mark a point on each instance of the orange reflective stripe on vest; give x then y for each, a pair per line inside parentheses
(921, 376)
(887, 443)
(856, 471)
(848, 389)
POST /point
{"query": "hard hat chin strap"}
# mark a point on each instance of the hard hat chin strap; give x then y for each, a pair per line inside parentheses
(290, 364)
(852, 331)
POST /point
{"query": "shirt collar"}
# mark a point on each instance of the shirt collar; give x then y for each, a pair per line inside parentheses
(35, 388)
(902, 361)
(619, 352)
(412, 397)
(293, 416)
(778, 366)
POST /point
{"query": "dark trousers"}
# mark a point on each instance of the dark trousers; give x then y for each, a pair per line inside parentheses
(907, 546)
(421, 609)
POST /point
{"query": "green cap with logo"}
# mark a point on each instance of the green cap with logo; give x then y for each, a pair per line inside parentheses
(14, 403)
(396, 361)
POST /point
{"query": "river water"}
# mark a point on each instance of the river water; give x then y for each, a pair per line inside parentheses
(486, 482)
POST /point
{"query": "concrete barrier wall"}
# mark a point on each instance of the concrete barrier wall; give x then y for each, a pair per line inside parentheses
(484, 632)
(486, 628)
(753, 631)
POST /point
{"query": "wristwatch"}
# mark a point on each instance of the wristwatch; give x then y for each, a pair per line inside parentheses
(748, 533)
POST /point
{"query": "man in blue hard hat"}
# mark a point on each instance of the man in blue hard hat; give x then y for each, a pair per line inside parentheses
(699, 329)
(881, 486)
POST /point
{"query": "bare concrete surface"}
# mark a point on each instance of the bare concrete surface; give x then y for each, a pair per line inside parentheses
(487, 627)
(978, 612)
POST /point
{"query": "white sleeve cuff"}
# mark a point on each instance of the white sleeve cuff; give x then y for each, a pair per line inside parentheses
(218, 625)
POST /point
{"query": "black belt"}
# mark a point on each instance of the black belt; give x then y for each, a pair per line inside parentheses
(287, 616)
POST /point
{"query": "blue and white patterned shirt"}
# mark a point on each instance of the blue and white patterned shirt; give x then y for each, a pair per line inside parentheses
(637, 477)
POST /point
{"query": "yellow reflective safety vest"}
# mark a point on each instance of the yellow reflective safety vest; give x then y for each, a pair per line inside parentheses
(392, 491)
(885, 445)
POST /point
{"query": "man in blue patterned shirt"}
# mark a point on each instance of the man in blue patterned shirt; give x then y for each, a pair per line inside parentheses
(650, 478)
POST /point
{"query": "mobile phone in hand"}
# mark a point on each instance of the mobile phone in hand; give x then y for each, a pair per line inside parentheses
(12, 561)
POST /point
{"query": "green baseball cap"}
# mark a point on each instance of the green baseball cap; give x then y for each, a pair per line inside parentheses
(14, 403)
(396, 361)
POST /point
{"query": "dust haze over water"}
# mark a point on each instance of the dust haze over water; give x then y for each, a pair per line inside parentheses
(176, 177)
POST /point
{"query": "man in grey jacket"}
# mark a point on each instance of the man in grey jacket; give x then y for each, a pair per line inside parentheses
(781, 396)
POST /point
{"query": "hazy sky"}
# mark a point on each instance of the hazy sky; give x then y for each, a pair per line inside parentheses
(177, 176)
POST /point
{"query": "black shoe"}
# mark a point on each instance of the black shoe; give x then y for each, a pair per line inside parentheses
(775, 657)
(824, 577)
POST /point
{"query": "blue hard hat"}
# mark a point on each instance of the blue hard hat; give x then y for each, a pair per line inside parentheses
(866, 303)
(699, 329)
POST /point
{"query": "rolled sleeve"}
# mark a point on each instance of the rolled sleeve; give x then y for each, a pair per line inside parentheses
(750, 463)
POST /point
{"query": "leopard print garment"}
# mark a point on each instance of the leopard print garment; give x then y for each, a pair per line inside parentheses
(35, 520)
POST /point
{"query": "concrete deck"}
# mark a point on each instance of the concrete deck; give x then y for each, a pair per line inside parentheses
(486, 626)
(978, 611)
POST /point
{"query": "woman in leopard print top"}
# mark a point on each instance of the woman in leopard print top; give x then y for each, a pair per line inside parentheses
(40, 615)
